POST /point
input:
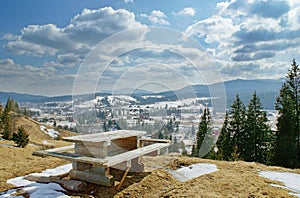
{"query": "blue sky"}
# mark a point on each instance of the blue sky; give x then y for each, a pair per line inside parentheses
(44, 45)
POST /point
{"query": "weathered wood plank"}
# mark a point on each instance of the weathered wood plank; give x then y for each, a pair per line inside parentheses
(73, 157)
(64, 148)
(105, 136)
(92, 177)
(108, 161)
(73, 185)
(154, 140)
(129, 155)
(121, 145)
(98, 150)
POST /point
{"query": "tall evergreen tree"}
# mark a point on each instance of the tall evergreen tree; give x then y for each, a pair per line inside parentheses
(7, 120)
(224, 143)
(287, 148)
(257, 133)
(204, 137)
(236, 127)
(1, 121)
(8, 127)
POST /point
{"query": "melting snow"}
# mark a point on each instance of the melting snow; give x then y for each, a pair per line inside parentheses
(290, 180)
(195, 170)
(51, 132)
(38, 189)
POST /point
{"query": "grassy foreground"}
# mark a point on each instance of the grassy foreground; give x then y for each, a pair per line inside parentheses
(233, 179)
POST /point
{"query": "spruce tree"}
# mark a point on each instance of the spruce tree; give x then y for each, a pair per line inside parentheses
(21, 138)
(224, 143)
(1, 121)
(7, 120)
(237, 126)
(204, 136)
(257, 133)
(287, 148)
(8, 127)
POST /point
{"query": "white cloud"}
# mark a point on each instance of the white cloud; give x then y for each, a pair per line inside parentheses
(157, 17)
(189, 11)
(33, 79)
(245, 35)
(84, 31)
(9, 37)
(10, 70)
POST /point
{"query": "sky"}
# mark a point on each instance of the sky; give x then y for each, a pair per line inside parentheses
(60, 47)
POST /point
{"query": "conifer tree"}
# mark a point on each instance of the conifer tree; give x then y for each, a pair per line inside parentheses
(1, 121)
(287, 148)
(237, 125)
(8, 127)
(224, 143)
(7, 120)
(21, 138)
(257, 133)
(204, 136)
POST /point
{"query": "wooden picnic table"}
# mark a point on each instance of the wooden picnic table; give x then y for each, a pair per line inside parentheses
(94, 154)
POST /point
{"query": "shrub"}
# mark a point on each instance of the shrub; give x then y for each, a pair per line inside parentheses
(21, 138)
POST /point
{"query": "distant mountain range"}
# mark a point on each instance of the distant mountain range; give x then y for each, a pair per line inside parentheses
(267, 90)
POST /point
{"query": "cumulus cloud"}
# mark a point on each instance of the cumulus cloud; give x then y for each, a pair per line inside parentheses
(252, 33)
(189, 11)
(10, 70)
(84, 31)
(62, 48)
(157, 17)
(32, 79)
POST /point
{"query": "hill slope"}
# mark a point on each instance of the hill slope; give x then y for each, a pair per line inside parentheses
(19, 161)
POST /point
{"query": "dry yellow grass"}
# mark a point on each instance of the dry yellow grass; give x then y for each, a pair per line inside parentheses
(16, 161)
(36, 136)
(233, 179)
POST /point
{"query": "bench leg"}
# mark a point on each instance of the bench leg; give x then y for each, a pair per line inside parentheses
(124, 176)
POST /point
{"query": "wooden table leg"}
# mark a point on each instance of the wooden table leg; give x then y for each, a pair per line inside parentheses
(124, 176)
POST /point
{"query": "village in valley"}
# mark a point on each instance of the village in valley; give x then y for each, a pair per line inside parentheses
(176, 120)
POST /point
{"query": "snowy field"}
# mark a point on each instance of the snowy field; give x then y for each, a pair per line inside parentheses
(37, 190)
(290, 180)
(195, 170)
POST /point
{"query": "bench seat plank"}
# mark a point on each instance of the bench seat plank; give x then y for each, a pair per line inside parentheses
(72, 157)
(129, 155)
(105, 162)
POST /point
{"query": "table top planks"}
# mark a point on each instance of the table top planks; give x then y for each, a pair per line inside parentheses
(105, 136)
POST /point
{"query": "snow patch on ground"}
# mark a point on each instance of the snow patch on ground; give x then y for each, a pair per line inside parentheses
(38, 189)
(51, 132)
(290, 180)
(195, 170)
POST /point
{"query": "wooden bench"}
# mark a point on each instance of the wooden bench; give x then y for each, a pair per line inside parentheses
(92, 156)
(105, 162)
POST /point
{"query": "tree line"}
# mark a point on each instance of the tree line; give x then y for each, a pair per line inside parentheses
(246, 134)
(7, 115)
